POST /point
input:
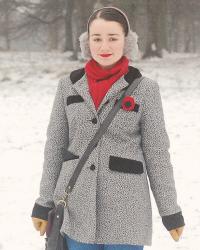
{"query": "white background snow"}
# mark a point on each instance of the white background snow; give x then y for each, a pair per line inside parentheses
(27, 87)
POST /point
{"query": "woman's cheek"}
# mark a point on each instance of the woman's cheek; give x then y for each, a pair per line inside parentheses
(94, 48)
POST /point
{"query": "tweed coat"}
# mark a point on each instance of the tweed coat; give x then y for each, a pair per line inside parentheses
(110, 202)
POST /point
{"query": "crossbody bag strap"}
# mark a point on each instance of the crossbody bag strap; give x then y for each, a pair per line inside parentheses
(97, 136)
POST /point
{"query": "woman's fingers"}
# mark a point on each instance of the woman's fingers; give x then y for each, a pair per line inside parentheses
(43, 228)
(174, 234)
(179, 230)
(40, 225)
(36, 223)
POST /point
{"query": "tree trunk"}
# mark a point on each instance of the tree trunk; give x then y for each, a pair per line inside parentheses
(151, 45)
(161, 33)
(78, 23)
(68, 25)
(7, 25)
(53, 36)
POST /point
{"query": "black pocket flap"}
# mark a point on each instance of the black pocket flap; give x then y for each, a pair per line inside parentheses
(74, 99)
(125, 165)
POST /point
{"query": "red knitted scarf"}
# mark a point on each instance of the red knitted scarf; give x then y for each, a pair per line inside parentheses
(100, 80)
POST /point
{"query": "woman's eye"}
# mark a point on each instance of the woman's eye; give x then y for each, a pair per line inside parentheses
(96, 39)
(113, 39)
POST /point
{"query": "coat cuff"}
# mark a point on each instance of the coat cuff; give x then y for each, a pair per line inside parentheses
(40, 211)
(173, 221)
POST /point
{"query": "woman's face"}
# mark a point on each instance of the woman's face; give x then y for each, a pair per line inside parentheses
(106, 42)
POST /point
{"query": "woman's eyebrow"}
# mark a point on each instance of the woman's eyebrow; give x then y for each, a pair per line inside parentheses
(108, 34)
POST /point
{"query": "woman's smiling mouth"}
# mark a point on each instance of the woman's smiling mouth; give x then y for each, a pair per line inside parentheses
(105, 55)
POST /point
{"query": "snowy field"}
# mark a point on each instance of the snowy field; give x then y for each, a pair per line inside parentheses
(27, 87)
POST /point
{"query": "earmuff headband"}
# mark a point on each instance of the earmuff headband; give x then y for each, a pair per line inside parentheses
(109, 7)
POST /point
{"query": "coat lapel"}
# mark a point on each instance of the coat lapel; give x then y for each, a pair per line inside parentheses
(82, 88)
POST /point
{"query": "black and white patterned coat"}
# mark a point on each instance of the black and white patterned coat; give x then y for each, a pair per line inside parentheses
(110, 202)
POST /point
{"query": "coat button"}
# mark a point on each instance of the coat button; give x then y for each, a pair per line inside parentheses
(92, 167)
(94, 120)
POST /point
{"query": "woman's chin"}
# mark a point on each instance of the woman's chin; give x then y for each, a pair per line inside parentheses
(106, 62)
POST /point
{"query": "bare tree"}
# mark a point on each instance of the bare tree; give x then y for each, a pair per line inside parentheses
(156, 38)
(68, 7)
(172, 25)
(6, 11)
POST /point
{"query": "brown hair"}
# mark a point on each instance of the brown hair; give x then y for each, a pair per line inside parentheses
(110, 14)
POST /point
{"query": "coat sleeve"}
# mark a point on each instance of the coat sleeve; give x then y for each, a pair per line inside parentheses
(56, 142)
(155, 145)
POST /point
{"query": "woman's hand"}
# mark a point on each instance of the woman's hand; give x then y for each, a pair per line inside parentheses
(176, 233)
(40, 225)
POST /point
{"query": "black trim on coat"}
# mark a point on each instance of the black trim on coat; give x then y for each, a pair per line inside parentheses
(40, 211)
(173, 221)
(74, 99)
(132, 74)
(125, 165)
(77, 74)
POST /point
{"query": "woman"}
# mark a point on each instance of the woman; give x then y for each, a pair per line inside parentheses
(110, 205)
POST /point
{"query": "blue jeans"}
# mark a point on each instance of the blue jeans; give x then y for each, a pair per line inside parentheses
(75, 245)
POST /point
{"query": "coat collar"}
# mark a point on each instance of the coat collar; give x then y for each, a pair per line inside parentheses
(80, 84)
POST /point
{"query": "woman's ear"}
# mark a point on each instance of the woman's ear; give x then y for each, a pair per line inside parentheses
(131, 50)
(84, 45)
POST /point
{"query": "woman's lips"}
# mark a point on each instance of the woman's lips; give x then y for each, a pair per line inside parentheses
(105, 55)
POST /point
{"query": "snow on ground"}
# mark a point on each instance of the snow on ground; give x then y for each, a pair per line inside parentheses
(27, 87)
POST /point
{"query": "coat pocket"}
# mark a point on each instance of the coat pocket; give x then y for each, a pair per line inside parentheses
(68, 166)
(125, 165)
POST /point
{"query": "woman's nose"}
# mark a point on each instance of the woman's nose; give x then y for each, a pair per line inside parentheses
(104, 45)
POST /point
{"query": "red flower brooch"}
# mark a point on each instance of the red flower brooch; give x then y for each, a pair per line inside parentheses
(128, 103)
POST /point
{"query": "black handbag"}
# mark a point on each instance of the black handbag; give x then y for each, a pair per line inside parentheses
(54, 239)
